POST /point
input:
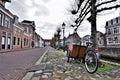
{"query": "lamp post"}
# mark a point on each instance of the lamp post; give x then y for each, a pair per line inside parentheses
(63, 27)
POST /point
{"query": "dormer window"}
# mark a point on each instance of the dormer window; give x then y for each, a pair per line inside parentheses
(7, 22)
(109, 23)
(114, 21)
(1, 19)
(118, 19)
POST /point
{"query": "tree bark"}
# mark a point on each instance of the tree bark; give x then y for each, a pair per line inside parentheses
(93, 23)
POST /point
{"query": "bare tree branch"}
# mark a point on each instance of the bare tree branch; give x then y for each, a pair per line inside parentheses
(79, 5)
(83, 13)
(105, 3)
(107, 8)
(82, 19)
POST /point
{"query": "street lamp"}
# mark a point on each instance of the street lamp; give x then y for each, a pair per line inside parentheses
(63, 27)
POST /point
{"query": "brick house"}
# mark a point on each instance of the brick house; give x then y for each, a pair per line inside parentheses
(85, 39)
(29, 33)
(101, 40)
(113, 32)
(73, 39)
(18, 34)
(6, 28)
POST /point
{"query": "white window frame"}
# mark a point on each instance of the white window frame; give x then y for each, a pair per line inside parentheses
(109, 23)
(118, 19)
(114, 21)
(3, 40)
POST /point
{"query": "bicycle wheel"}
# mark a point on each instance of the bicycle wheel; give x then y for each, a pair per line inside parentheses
(91, 61)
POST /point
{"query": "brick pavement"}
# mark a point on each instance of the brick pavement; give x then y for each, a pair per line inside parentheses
(13, 65)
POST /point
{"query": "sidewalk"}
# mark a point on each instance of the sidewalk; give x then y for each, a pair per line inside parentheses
(74, 71)
(60, 69)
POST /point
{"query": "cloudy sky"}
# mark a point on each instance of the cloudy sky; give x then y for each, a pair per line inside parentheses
(50, 14)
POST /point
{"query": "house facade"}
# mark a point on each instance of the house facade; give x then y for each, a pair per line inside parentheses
(113, 32)
(29, 31)
(6, 28)
(85, 39)
(101, 40)
(73, 39)
(41, 42)
(18, 35)
(15, 35)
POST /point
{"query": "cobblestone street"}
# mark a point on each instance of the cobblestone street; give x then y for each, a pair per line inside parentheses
(74, 71)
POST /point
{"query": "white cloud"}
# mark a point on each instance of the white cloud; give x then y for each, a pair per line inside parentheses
(18, 8)
(49, 14)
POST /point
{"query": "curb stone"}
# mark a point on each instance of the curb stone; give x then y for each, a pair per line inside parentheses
(29, 75)
(113, 63)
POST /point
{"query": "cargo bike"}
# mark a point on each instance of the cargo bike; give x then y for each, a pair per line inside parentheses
(86, 54)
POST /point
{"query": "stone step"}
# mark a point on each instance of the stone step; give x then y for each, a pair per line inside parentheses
(37, 67)
(28, 76)
(37, 75)
(42, 71)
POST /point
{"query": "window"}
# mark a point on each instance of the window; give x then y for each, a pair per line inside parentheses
(108, 31)
(24, 41)
(9, 40)
(3, 40)
(27, 41)
(18, 42)
(116, 30)
(27, 29)
(109, 40)
(114, 21)
(109, 23)
(7, 22)
(14, 40)
(1, 18)
(15, 31)
(106, 23)
(118, 19)
(116, 39)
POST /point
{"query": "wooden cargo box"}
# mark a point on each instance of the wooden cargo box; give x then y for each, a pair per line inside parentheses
(77, 51)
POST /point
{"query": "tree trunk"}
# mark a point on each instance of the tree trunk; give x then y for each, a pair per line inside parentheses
(93, 23)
